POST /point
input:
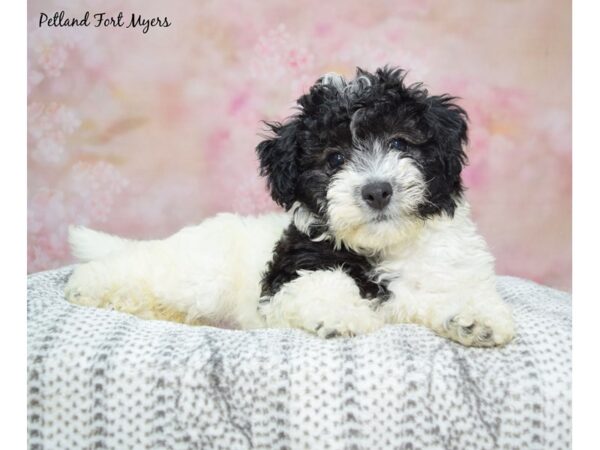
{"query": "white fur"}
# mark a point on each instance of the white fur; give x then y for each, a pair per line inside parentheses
(440, 273)
(334, 79)
(205, 273)
(443, 277)
(341, 84)
(326, 302)
(302, 217)
(87, 244)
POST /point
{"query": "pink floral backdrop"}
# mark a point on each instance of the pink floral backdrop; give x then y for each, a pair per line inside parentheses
(141, 134)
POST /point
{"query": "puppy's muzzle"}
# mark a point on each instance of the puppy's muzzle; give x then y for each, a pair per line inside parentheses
(377, 195)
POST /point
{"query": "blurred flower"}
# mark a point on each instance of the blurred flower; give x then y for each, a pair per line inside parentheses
(48, 151)
(34, 77)
(93, 188)
(278, 55)
(49, 127)
(251, 196)
(49, 51)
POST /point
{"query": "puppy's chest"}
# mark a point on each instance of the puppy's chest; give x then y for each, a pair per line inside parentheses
(400, 273)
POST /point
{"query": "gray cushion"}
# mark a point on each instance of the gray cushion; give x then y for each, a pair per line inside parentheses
(104, 379)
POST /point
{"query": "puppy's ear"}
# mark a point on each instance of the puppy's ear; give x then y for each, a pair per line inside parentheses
(452, 120)
(278, 161)
(449, 123)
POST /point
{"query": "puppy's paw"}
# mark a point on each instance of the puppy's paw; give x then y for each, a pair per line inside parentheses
(482, 326)
(324, 302)
(83, 287)
(348, 323)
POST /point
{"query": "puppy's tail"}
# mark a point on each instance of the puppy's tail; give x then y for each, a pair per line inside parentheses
(87, 244)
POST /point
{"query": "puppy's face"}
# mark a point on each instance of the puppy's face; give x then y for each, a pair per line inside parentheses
(365, 160)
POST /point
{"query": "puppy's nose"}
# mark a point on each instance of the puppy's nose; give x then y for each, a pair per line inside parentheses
(377, 195)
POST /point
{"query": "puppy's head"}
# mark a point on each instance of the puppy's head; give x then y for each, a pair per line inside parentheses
(365, 160)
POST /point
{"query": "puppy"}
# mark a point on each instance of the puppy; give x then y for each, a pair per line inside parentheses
(377, 230)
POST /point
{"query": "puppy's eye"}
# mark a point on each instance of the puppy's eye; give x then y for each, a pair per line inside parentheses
(335, 160)
(398, 144)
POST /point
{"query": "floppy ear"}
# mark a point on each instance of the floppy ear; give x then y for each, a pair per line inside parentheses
(449, 123)
(453, 122)
(278, 162)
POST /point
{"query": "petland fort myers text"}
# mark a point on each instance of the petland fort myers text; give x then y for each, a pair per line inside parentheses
(103, 19)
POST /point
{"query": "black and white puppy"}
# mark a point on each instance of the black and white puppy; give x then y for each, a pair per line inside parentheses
(378, 230)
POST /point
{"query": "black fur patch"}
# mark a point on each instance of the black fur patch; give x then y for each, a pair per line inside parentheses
(295, 251)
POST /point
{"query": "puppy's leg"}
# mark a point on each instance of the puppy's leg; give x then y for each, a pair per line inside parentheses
(126, 280)
(324, 302)
(473, 316)
(481, 321)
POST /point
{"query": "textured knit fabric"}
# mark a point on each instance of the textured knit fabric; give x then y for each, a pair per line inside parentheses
(104, 379)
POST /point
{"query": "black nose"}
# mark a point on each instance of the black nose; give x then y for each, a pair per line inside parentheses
(377, 195)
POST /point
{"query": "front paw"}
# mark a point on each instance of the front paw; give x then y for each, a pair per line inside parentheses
(348, 324)
(324, 302)
(480, 327)
(83, 288)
